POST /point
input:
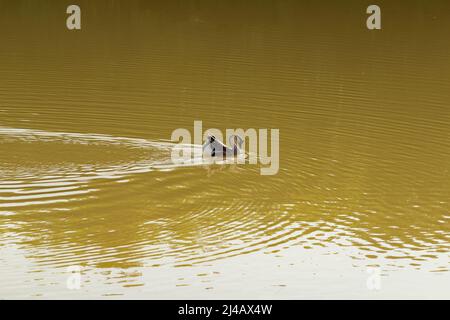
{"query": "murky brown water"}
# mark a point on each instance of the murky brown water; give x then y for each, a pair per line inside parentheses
(85, 173)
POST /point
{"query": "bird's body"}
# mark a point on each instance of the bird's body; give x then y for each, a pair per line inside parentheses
(216, 148)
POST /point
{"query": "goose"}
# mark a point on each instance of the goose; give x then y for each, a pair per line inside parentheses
(216, 148)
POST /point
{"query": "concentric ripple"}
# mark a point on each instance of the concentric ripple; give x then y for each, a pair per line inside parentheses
(44, 168)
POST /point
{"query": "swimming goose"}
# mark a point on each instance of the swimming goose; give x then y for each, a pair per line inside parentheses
(216, 148)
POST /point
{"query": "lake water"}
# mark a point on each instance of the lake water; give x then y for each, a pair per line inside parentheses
(86, 116)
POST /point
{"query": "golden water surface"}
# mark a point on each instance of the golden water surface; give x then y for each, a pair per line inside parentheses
(86, 179)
